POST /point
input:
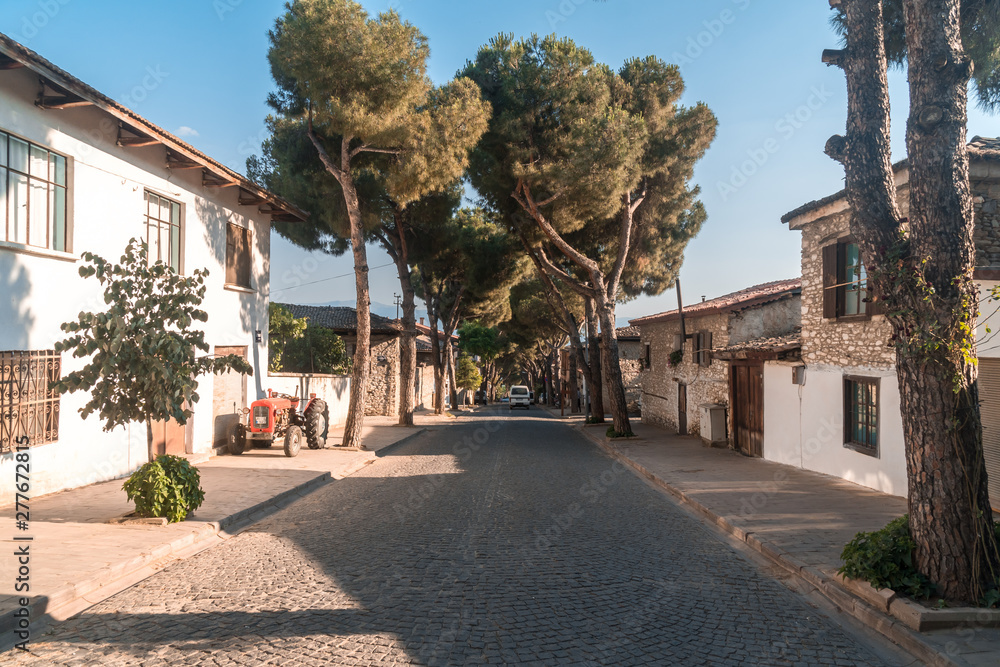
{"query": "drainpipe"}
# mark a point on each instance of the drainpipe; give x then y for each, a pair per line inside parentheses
(680, 309)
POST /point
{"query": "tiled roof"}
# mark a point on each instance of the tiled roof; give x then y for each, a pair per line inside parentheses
(745, 298)
(627, 333)
(340, 318)
(789, 341)
(426, 331)
(980, 148)
(61, 79)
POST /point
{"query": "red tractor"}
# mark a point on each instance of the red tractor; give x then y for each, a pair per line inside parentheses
(278, 416)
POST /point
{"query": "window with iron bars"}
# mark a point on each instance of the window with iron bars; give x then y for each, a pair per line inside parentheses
(28, 407)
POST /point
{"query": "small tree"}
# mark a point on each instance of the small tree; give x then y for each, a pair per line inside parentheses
(318, 350)
(144, 364)
(467, 376)
(282, 328)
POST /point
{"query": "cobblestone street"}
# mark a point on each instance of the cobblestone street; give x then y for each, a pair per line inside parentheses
(508, 540)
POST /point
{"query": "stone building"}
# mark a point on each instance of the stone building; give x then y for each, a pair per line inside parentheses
(383, 379)
(680, 376)
(837, 411)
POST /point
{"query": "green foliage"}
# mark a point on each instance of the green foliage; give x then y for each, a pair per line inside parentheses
(884, 558)
(318, 350)
(467, 376)
(168, 487)
(676, 357)
(612, 433)
(144, 364)
(481, 341)
(282, 328)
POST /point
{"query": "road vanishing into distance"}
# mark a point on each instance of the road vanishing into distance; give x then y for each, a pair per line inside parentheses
(496, 540)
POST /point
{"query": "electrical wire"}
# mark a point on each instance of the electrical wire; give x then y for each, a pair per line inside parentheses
(324, 280)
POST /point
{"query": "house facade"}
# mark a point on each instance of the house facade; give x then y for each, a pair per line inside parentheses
(838, 410)
(681, 375)
(78, 173)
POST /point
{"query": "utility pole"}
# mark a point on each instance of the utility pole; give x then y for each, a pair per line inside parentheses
(399, 300)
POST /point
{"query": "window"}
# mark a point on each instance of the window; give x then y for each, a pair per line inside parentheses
(27, 406)
(861, 414)
(845, 282)
(703, 348)
(648, 360)
(163, 231)
(239, 257)
(32, 194)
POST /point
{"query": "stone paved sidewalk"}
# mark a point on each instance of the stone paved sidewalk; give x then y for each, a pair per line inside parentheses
(78, 558)
(798, 516)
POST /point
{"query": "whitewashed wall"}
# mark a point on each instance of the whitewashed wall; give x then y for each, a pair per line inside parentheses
(334, 389)
(41, 290)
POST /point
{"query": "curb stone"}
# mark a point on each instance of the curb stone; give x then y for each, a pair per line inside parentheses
(69, 600)
(858, 608)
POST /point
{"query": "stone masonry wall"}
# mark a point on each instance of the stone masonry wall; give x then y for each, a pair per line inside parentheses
(630, 355)
(383, 380)
(704, 384)
(865, 344)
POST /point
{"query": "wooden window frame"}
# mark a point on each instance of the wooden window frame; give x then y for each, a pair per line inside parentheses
(835, 283)
(25, 377)
(162, 225)
(702, 344)
(239, 244)
(53, 190)
(873, 419)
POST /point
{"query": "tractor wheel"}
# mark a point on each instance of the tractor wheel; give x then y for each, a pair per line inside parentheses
(238, 440)
(315, 422)
(293, 440)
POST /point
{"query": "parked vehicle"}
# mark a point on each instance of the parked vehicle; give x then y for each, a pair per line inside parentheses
(480, 397)
(520, 397)
(277, 417)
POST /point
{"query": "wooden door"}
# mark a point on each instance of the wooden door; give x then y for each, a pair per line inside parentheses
(682, 409)
(746, 386)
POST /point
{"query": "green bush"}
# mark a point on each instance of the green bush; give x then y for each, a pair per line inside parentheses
(612, 433)
(168, 487)
(884, 558)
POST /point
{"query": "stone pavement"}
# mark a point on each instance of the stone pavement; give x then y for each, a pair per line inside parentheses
(78, 558)
(798, 518)
(503, 539)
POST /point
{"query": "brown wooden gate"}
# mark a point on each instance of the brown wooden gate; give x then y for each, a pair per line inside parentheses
(746, 388)
(229, 396)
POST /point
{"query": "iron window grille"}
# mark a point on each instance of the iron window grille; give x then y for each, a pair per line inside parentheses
(28, 407)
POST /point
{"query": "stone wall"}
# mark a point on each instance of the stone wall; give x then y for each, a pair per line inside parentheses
(660, 382)
(830, 342)
(630, 356)
(383, 379)
(986, 201)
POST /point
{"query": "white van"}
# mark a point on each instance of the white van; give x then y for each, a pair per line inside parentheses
(519, 397)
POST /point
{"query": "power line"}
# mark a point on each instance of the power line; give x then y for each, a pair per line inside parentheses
(323, 280)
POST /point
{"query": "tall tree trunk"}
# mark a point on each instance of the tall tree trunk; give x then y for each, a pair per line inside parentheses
(548, 379)
(396, 246)
(362, 350)
(150, 454)
(432, 315)
(449, 353)
(574, 383)
(925, 277)
(612, 368)
(593, 369)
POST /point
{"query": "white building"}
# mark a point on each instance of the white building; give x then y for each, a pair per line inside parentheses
(79, 172)
(837, 411)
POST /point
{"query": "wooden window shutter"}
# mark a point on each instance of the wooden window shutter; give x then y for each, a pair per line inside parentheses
(708, 349)
(232, 250)
(243, 260)
(830, 256)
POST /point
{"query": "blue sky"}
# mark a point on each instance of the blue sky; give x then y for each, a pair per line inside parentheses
(755, 63)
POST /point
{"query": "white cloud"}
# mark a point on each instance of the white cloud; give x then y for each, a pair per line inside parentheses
(185, 131)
